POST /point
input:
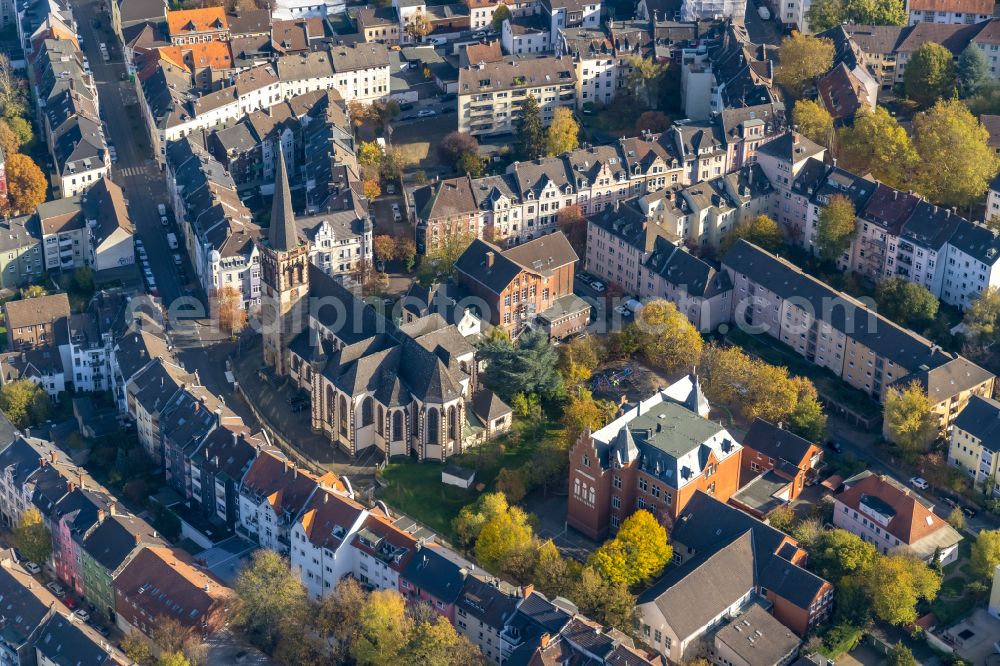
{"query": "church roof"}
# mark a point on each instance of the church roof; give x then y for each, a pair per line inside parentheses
(283, 235)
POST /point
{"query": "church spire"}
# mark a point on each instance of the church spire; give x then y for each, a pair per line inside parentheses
(282, 235)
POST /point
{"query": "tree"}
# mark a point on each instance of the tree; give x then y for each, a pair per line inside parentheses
(825, 14)
(906, 303)
(370, 188)
(896, 584)
(393, 165)
(574, 225)
(605, 602)
(530, 134)
(582, 412)
(645, 78)
(782, 518)
(470, 520)
(836, 228)
(761, 230)
(972, 73)
(269, 596)
(406, 251)
(439, 260)
(384, 630)
(909, 421)
(503, 542)
(760, 390)
(956, 519)
(900, 655)
(384, 246)
(436, 643)
(956, 162)
(637, 554)
(579, 358)
(813, 121)
(173, 659)
(929, 74)
(22, 130)
(419, 26)
(32, 537)
(878, 144)
(986, 553)
(370, 155)
(455, 145)
(9, 141)
(666, 338)
(231, 313)
(981, 318)
(801, 59)
(652, 121)
(329, 629)
(25, 403)
(807, 420)
(530, 367)
(828, 14)
(511, 483)
(500, 15)
(137, 648)
(839, 553)
(553, 575)
(11, 90)
(563, 133)
(472, 164)
(26, 185)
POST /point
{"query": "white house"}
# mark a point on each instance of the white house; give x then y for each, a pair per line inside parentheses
(320, 551)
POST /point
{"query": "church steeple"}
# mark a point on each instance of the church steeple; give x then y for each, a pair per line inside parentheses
(282, 235)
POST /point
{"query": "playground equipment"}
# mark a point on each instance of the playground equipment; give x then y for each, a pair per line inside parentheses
(609, 380)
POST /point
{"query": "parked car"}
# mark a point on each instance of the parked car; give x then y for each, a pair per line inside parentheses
(969, 511)
(81, 614)
(597, 286)
(950, 502)
(100, 628)
(32, 568)
(835, 446)
(426, 113)
(623, 311)
(161, 209)
(919, 482)
(164, 221)
(397, 215)
(56, 589)
(177, 260)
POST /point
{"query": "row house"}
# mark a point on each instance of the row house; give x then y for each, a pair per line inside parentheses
(949, 388)
(956, 12)
(320, 551)
(148, 394)
(877, 43)
(638, 462)
(217, 228)
(142, 343)
(21, 458)
(827, 327)
(36, 322)
(20, 247)
(973, 443)
(190, 26)
(218, 466)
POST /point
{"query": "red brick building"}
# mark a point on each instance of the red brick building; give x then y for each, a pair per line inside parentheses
(528, 283)
(655, 457)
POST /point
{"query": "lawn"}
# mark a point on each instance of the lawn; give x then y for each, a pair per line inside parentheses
(416, 489)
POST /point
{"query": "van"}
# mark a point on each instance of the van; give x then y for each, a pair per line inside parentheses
(161, 209)
(172, 241)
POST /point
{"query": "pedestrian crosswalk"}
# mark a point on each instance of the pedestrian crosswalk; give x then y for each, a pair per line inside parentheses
(132, 171)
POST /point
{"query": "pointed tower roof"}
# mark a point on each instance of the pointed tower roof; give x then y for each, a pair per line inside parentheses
(625, 449)
(282, 235)
(696, 400)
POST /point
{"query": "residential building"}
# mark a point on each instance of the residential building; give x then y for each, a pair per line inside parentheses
(320, 538)
(891, 517)
(955, 37)
(974, 444)
(36, 322)
(377, 24)
(20, 459)
(526, 286)
(482, 610)
(972, 263)
(63, 635)
(726, 561)
(64, 233)
(949, 388)
(42, 366)
(655, 456)
(490, 95)
(707, 10)
(218, 466)
(148, 395)
(958, 12)
(435, 576)
(164, 583)
(190, 26)
(21, 260)
(526, 35)
(877, 43)
(582, 638)
(110, 238)
(535, 621)
(382, 552)
(777, 466)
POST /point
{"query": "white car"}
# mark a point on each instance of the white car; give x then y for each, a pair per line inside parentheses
(426, 113)
(177, 260)
(32, 568)
(919, 482)
(161, 209)
(397, 215)
(597, 286)
(81, 614)
(164, 221)
(56, 589)
(437, 41)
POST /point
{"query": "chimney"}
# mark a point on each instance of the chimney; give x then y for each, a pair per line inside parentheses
(70, 486)
(100, 515)
(113, 509)
(489, 259)
(545, 639)
(52, 456)
(527, 590)
(326, 497)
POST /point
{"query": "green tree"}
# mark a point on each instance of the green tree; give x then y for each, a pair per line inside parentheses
(637, 554)
(384, 630)
(581, 412)
(563, 133)
(529, 367)
(929, 74)
(986, 553)
(801, 59)
(906, 303)
(783, 518)
(666, 338)
(32, 537)
(436, 643)
(269, 596)
(173, 659)
(813, 121)
(529, 131)
(956, 162)
(876, 143)
(825, 14)
(758, 389)
(406, 251)
(470, 520)
(838, 553)
(981, 318)
(553, 574)
(22, 129)
(900, 655)
(807, 420)
(645, 78)
(972, 73)
(25, 403)
(611, 604)
(876, 12)
(909, 420)
(504, 542)
(761, 230)
(836, 228)
(135, 646)
(500, 15)
(370, 155)
(896, 584)
(439, 260)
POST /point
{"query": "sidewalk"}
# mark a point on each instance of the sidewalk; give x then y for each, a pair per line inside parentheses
(266, 399)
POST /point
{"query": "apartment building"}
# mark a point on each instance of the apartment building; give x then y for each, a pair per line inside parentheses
(490, 95)
(974, 445)
(949, 387)
(877, 43)
(190, 26)
(320, 540)
(20, 252)
(655, 457)
(36, 322)
(971, 263)
(827, 327)
(770, 449)
(887, 514)
(482, 610)
(957, 12)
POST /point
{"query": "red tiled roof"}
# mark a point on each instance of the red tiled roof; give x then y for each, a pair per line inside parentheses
(912, 522)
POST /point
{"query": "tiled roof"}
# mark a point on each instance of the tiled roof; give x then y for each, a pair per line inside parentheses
(911, 520)
(34, 311)
(978, 7)
(528, 73)
(778, 443)
(328, 518)
(286, 487)
(180, 22)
